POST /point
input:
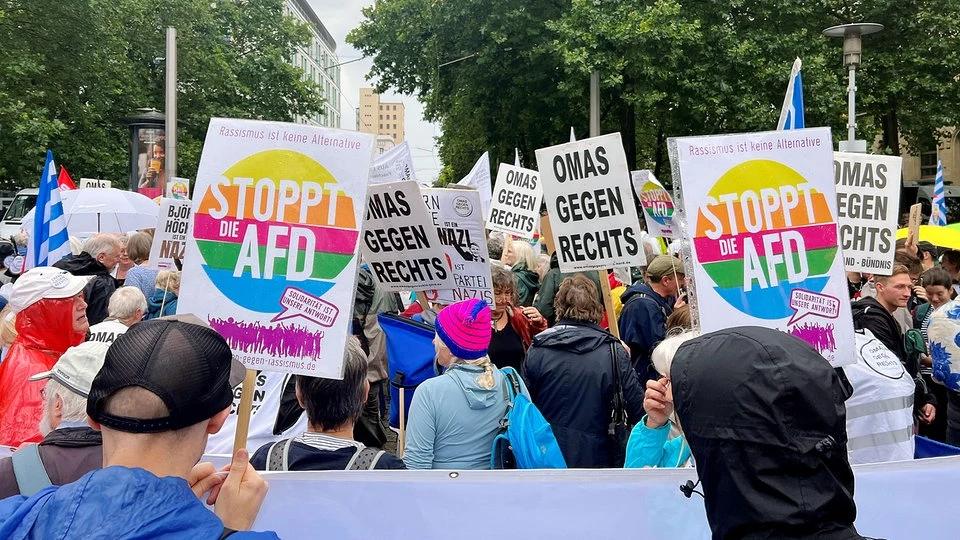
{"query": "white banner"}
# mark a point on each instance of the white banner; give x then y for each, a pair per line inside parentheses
(479, 178)
(761, 208)
(586, 185)
(271, 261)
(93, 183)
(656, 202)
(868, 208)
(400, 241)
(640, 503)
(517, 196)
(459, 221)
(170, 236)
(395, 165)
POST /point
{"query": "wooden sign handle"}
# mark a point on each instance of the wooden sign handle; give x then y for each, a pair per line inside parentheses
(608, 303)
(402, 436)
(243, 412)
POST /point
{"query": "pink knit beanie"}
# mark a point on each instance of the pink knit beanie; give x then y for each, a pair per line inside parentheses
(464, 328)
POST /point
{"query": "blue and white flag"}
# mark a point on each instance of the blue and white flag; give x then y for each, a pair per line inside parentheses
(49, 241)
(938, 210)
(791, 115)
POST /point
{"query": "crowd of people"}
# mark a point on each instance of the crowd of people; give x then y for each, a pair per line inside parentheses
(95, 395)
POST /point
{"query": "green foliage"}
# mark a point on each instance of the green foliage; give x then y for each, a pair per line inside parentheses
(668, 68)
(72, 71)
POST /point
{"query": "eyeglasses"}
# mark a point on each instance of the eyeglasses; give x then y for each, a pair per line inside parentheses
(43, 393)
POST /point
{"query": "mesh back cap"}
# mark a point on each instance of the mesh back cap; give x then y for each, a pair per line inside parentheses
(186, 365)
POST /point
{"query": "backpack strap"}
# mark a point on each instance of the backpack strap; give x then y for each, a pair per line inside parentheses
(278, 457)
(640, 295)
(29, 470)
(364, 459)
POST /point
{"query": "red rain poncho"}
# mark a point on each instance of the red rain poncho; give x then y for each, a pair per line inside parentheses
(44, 332)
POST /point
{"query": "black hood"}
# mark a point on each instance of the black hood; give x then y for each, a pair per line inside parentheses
(82, 265)
(578, 337)
(764, 415)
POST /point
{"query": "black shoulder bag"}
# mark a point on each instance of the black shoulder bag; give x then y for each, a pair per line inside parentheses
(619, 429)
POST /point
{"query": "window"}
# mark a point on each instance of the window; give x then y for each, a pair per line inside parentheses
(381, 126)
(394, 117)
(381, 117)
(381, 107)
(928, 164)
(394, 126)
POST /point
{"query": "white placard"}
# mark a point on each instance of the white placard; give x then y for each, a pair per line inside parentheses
(93, 183)
(656, 203)
(479, 178)
(395, 165)
(586, 186)
(400, 241)
(271, 261)
(459, 220)
(517, 197)
(761, 209)
(170, 236)
(868, 206)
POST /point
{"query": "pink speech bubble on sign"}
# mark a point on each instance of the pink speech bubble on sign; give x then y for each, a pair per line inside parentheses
(297, 303)
(804, 302)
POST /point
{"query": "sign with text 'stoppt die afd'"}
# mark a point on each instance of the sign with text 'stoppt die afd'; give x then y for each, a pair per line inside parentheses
(271, 260)
(586, 185)
(868, 207)
(517, 196)
(458, 217)
(400, 241)
(762, 212)
(170, 236)
(656, 202)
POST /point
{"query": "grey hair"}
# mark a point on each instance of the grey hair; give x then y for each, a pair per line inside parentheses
(74, 405)
(332, 403)
(662, 355)
(125, 302)
(495, 246)
(99, 244)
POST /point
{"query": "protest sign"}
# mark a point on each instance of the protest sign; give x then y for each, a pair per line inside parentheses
(761, 210)
(516, 202)
(178, 188)
(868, 203)
(395, 165)
(913, 224)
(93, 183)
(656, 203)
(479, 178)
(459, 220)
(400, 241)
(592, 216)
(170, 236)
(271, 260)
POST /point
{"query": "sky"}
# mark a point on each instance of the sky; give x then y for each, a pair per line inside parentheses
(341, 16)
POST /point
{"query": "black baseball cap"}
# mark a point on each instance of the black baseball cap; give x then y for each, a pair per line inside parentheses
(187, 364)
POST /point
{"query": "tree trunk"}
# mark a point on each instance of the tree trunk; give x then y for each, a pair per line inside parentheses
(658, 155)
(891, 131)
(628, 130)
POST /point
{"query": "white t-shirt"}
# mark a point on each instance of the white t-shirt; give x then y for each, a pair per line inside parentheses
(107, 331)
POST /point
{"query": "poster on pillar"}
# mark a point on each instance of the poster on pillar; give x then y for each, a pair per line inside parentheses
(400, 241)
(517, 196)
(868, 206)
(271, 257)
(586, 185)
(458, 216)
(170, 236)
(762, 212)
(656, 203)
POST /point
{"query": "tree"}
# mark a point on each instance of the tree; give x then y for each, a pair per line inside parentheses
(72, 72)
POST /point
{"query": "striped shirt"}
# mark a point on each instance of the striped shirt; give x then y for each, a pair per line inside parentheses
(326, 442)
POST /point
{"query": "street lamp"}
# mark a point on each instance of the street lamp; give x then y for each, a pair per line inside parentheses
(851, 34)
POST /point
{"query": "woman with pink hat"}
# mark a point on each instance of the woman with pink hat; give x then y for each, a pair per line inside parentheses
(454, 418)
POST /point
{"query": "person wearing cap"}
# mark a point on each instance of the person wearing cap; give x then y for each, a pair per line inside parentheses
(646, 306)
(50, 318)
(164, 386)
(928, 254)
(70, 448)
(454, 418)
(100, 256)
(577, 358)
(127, 307)
(765, 419)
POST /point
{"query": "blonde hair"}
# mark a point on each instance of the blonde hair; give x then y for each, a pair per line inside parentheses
(8, 326)
(168, 279)
(486, 380)
(523, 253)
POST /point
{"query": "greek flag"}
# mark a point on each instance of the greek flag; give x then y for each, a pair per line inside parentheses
(791, 115)
(938, 210)
(49, 241)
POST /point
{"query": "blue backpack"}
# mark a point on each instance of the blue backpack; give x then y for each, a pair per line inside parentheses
(525, 440)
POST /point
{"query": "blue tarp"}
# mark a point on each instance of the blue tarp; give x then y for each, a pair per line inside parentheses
(927, 448)
(410, 356)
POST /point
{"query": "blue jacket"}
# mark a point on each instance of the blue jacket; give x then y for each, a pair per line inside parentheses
(155, 302)
(650, 448)
(453, 421)
(115, 502)
(643, 324)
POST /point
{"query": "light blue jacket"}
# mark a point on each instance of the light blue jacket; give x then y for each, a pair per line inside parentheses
(650, 448)
(453, 421)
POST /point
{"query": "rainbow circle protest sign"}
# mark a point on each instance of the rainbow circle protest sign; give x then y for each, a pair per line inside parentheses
(271, 258)
(761, 212)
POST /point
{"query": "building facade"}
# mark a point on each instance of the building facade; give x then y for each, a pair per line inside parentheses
(319, 63)
(381, 118)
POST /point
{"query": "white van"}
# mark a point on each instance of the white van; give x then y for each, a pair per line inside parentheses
(23, 202)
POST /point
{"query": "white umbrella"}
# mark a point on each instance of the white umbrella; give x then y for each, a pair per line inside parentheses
(90, 211)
